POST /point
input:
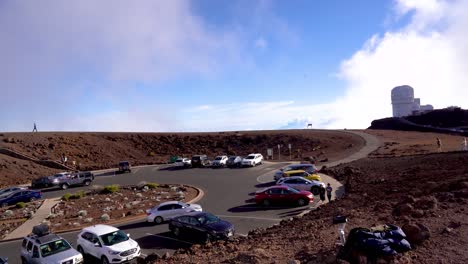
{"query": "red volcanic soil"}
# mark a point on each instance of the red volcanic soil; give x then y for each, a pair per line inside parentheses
(430, 190)
(402, 143)
(105, 150)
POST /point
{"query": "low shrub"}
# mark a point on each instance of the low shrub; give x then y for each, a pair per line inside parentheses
(78, 195)
(111, 188)
(20, 205)
(152, 185)
(66, 196)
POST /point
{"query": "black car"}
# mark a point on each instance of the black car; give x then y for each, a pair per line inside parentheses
(206, 226)
(200, 161)
(234, 161)
(124, 166)
(43, 182)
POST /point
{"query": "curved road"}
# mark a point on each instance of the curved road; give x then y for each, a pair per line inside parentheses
(227, 194)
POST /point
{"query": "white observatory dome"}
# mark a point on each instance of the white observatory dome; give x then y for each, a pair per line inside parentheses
(403, 101)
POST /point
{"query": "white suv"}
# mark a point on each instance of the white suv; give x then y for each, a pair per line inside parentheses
(108, 244)
(46, 248)
(219, 161)
(183, 162)
(252, 159)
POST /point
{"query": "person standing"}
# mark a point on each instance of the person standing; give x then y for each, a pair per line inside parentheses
(322, 193)
(439, 145)
(329, 190)
(464, 145)
(35, 128)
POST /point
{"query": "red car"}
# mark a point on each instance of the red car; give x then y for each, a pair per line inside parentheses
(284, 195)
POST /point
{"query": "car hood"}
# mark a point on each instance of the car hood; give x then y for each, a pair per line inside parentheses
(65, 255)
(126, 245)
(220, 226)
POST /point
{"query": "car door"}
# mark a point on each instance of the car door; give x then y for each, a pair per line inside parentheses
(15, 198)
(164, 211)
(287, 195)
(293, 183)
(274, 195)
(302, 185)
(195, 227)
(35, 257)
(88, 243)
(176, 210)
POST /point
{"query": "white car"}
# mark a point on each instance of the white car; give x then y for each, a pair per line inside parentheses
(252, 159)
(183, 162)
(169, 210)
(301, 184)
(108, 244)
(219, 161)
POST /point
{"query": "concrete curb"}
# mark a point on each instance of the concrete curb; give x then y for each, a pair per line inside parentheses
(121, 221)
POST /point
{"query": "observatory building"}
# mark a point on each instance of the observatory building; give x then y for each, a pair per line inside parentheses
(404, 103)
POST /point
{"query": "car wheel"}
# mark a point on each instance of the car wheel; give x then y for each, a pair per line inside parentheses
(23, 261)
(208, 238)
(266, 202)
(87, 183)
(314, 190)
(64, 186)
(32, 199)
(176, 231)
(80, 249)
(158, 220)
(104, 260)
(253, 164)
(301, 202)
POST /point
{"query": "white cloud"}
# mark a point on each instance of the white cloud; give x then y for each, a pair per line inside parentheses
(430, 53)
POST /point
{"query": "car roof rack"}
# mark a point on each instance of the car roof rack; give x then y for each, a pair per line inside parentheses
(41, 230)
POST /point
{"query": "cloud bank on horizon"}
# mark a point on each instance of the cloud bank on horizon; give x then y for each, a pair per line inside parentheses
(102, 51)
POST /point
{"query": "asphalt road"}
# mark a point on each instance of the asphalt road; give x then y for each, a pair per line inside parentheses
(227, 194)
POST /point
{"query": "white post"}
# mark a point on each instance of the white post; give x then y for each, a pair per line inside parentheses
(279, 151)
(289, 146)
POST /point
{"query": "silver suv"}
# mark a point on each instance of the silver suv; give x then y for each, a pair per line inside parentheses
(42, 247)
(79, 178)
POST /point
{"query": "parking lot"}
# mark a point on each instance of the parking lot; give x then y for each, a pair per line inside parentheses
(228, 193)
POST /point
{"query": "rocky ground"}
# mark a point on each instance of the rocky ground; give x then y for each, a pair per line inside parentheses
(13, 216)
(105, 150)
(425, 194)
(403, 143)
(98, 206)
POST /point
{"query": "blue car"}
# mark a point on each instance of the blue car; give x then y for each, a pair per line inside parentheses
(201, 225)
(20, 196)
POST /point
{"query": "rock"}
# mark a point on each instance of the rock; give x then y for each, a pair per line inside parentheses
(128, 206)
(107, 199)
(166, 255)
(140, 211)
(418, 213)
(416, 233)
(8, 213)
(139, 195)
(83, 213)
(88, 220)
(426, 203)
(135, 203)
(403, 209)
(294, 261)
(105, 217)
(125, 198)
(145, 188)
(75, 224)
(51, 216)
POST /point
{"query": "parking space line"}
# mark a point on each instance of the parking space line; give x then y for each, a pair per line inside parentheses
(149, 234)
(251, 217)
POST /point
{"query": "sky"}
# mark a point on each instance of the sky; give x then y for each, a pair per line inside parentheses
(208, 65)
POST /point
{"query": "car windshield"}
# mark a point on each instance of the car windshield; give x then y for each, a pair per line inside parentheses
(179, 160)
(250, 157)
(219, 158)
(113, 238)
(123, 164)
(196, 158)
(54, 247)
(232, 158)
(4, 191)
(207, 219)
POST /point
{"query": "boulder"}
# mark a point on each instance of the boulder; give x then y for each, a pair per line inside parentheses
(404, 209)
(105, 217)
(426, 203)
(83, 213)
(416, 233)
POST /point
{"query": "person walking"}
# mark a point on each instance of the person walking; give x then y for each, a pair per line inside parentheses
(35, 128)
(439, 145)
(322, 194)
(329, 190)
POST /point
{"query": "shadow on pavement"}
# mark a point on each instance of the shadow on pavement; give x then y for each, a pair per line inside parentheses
(164, 240)
(266, 184)
(254, 207)
(109, 173)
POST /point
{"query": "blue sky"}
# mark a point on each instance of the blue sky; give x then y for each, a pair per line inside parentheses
(224, 65)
